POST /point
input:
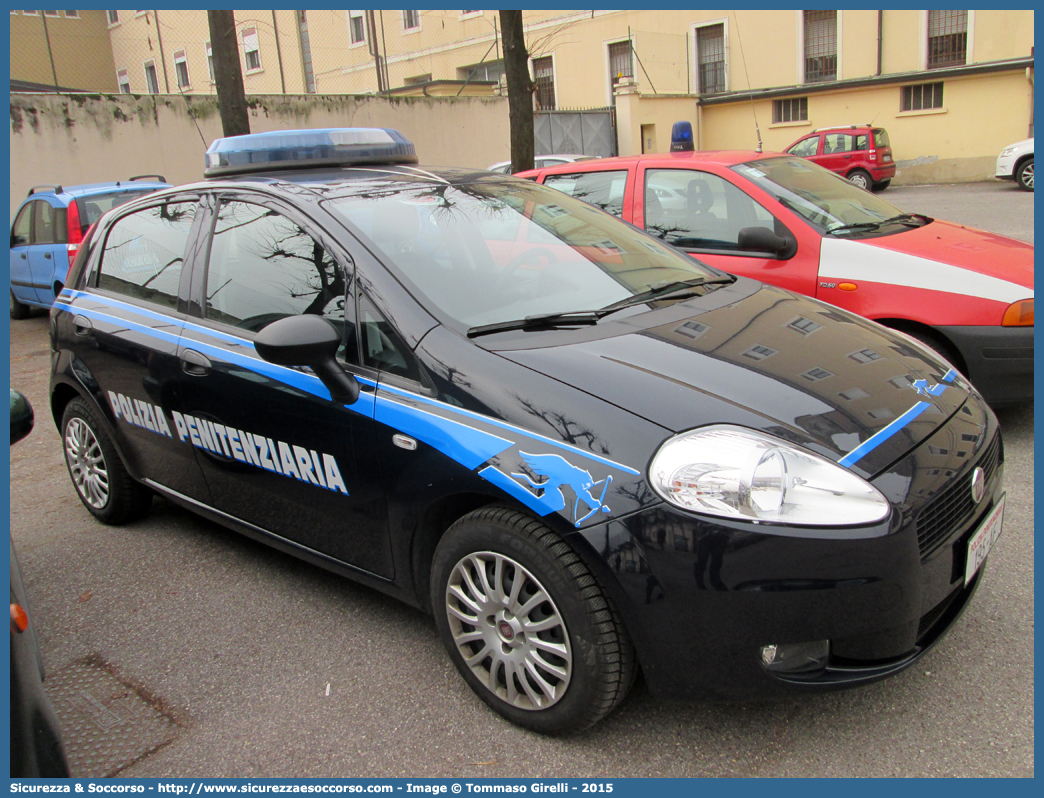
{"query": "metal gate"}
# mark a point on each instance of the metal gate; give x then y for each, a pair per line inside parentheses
(591, 132)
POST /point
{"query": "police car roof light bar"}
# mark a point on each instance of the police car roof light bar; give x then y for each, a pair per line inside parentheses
(681, 137)
(306, 149)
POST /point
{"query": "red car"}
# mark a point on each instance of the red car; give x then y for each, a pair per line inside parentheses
(860, 153)
(966, 293)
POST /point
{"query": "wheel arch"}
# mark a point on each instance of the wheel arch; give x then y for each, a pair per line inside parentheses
(1018, 164)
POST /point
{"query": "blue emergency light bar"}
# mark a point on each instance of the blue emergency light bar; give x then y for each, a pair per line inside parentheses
(307, 149)
(681, 137)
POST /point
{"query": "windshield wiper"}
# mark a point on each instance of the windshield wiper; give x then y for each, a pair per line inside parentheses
(674, 290)
(912, 219)
(574, 318)
(581, 318)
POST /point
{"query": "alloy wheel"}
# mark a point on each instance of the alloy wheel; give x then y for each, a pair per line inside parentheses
(86, 463)
(508, 631)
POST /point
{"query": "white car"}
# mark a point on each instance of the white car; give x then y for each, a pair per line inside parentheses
(1016, 163)
(542, 161)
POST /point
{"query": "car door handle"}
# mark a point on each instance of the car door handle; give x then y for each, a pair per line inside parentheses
(195, 364)
(47, 256)
(82, 325)
(22, 254)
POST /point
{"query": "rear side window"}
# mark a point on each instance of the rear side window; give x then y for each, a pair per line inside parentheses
(145, 251)
(264, 266)
(602, 189)
(92, 207)
(43, 223)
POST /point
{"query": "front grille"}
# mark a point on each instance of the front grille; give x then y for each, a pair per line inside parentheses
(952, 508)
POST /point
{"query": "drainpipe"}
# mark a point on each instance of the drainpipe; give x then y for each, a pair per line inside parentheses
(163, 58)
(47, 38)
(279, 54)
(880, 29)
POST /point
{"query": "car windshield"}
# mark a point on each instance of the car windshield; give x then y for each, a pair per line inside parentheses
(826, 200)
(492, 250)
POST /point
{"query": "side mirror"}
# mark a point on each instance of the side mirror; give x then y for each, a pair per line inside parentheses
(761, 239)
(21, 417)
(18, 241)
(308, 341)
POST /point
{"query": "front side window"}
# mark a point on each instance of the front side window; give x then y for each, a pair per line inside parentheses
(602, 189)
(263, 266)
(699, 210)
(820, 46)
(805, 147)
(22, 226)
(144, 253)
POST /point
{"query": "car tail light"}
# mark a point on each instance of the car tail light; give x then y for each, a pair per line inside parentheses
(1019, 314)
(873, 155)
(75, 232)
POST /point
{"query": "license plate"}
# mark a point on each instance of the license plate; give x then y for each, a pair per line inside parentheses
(982, 541)
(886, 158)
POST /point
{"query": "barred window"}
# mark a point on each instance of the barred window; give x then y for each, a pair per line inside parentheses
(410, 20)
(921, 96)
(114, 17)
(544, 78)
(620, 64)
(820, 46)
(947, 38)
(710, 58)
(793, 109)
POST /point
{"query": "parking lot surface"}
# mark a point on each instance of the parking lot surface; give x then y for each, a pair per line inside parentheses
(222, 657)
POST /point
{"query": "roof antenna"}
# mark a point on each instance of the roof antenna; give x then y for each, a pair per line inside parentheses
(753, 110)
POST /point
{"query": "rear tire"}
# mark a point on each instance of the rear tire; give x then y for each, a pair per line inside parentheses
(101, 480)
(18, 310)
(882, 185)
(1024, 175)
(554, 666)
(861, 178)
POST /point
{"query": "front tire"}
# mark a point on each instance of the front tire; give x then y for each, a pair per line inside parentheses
(101, 480)
(1024, 175)
(526, 623)
(18, 310)
(858, 177)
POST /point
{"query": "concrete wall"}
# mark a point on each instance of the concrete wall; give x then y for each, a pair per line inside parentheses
(92, 138)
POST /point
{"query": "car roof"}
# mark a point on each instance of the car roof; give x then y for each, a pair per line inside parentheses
(88, 189)
(698, 157)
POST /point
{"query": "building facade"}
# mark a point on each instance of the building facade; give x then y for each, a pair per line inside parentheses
(951, 87)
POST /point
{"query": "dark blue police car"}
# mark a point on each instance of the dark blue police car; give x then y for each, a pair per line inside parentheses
(585, 453)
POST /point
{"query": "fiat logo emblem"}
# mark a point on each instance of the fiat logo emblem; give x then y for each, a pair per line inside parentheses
(978, 485)
(506, 631)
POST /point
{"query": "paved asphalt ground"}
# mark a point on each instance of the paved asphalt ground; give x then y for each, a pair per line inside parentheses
(271, 667)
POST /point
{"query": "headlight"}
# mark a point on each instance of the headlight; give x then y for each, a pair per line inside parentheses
(739, 473)
(1008, 151)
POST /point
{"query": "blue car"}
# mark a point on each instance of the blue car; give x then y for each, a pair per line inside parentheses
(48, 230)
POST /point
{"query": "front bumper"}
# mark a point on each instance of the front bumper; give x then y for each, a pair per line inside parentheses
(701, 597)
(998, 361)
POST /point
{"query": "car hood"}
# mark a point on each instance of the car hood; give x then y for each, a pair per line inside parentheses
(764, 358)
(975, 251)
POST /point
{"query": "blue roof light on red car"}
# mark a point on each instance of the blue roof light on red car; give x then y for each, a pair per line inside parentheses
(681, 137)
(304, 149)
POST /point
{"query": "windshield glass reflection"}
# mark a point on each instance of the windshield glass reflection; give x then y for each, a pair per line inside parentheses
(817, 194)
(491, 250)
